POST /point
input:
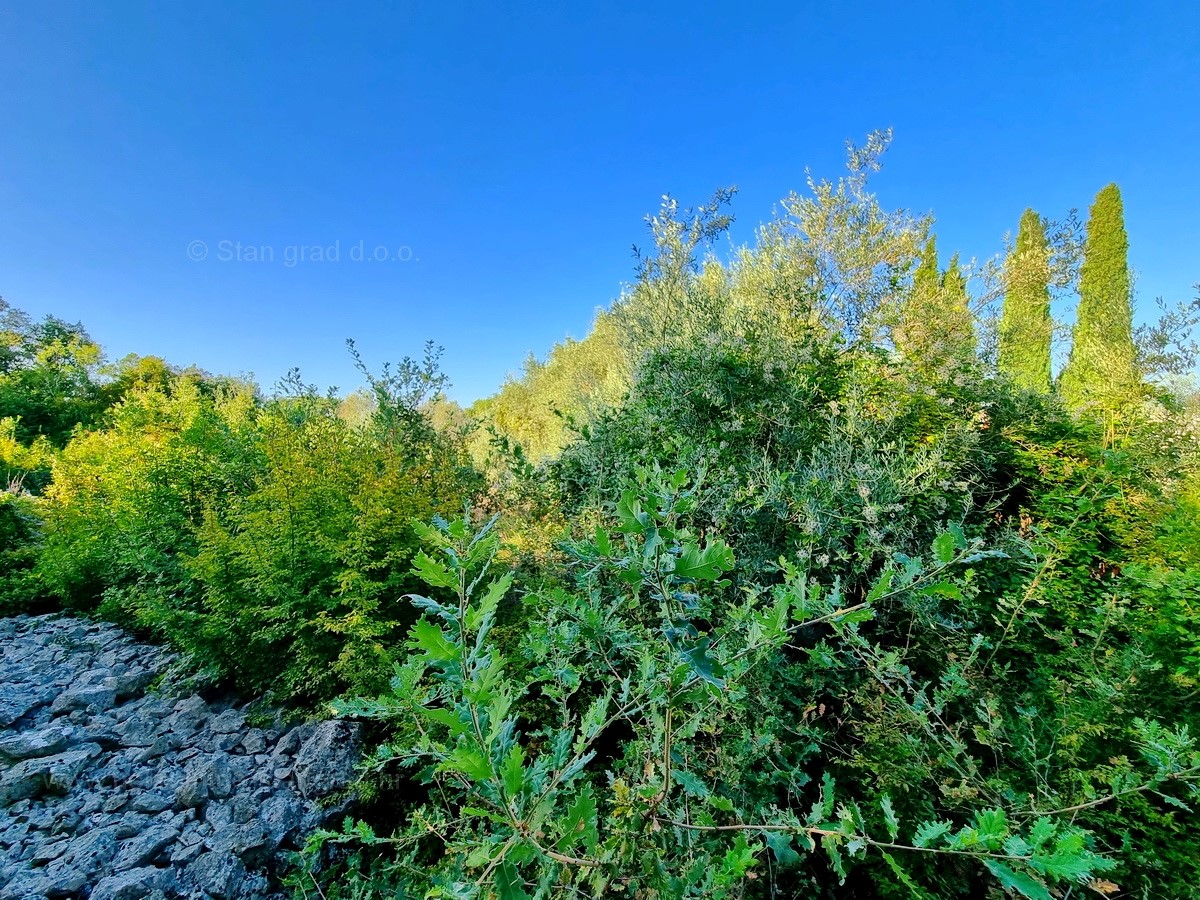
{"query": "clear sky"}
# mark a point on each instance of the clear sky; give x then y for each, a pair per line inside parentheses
(501, 156)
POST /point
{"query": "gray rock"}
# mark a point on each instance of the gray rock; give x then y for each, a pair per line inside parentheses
(192, 793)
(281, 814)
(250, 843)
(219, 816)
(48, 851)
(144, 848)
(228, 722)
(219, 873)
(138, 731)
(40, 817)
(18, 700)
(90, 698)
(291, 740)
(327, 761)
(102, 730)
(65, 767)
(218, 777)
(128, 795)
(129, 825)
(129, 684)
(188, 716)
(34, 777)
(152, 802)
(253, 742)
(116, 802)
(42, 742)
(135, 884)
(84, 857)
(185, 853)
(29, 887)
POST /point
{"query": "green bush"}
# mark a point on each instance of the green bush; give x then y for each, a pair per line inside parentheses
(268, 539)
(656, 737)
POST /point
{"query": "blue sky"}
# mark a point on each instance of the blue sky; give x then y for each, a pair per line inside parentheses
(502, 156)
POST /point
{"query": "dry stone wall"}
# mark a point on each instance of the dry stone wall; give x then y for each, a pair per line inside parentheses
(110, 790)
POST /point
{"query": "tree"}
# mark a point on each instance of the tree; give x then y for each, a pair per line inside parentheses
(935, 326)
(959, 336)
(1101, 372)
(1025, 324)
(48, 376)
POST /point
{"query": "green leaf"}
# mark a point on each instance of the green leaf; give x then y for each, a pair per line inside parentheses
(737, 860)
(960, 538)
(944, 547)
(469, 762)
(1025, 885)
(704, 665)
(1043, 830)
(929, 832)
(509, 885)
(889, 816)
(426, 636)
(433, 572)
(513, 771)
(942, 589)
(724, 804)
(486, 607)
(854, 616)
(903, 877)
(1173, 801)
(579, 826)
(707, 564)
(444, 717)
(780, 843)
(690, 783)
(991, 826)
(603, 542)
(629, 512)
(880, 587)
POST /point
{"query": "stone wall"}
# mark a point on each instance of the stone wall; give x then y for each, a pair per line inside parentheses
(111, 791)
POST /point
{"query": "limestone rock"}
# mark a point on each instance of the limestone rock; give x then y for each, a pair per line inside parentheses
(108, 792)
(327, 761)
(134, 884)
(41, 742)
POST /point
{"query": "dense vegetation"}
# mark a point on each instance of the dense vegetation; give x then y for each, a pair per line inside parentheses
(798, 577)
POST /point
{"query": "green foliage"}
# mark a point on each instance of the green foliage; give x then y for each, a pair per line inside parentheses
(49, 376)
(1026, 327)
(936, 330)
(578, 380)
(269, 540)
(1101, 372)
(20, 528)
(526, 792)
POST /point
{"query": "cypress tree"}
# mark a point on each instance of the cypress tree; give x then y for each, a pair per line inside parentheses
(958, 338)
(1025, 324)
(935, 324)
(925, 279)
(1101, 371)
(912, 333)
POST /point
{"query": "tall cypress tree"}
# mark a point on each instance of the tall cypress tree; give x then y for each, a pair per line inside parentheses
(958, 339)
(935, 326)
(1025, 324)
(1101, 372)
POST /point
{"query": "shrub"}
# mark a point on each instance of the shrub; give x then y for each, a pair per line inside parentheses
(648, 740)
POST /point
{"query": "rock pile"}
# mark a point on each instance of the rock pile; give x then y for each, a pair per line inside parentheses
(111, 791)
